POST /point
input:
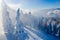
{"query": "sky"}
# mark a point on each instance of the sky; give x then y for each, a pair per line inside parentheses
(34, 4)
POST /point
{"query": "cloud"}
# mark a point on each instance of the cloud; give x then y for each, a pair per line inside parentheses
(56, 11)
(0, 1)
(13, 1)
(14, 6)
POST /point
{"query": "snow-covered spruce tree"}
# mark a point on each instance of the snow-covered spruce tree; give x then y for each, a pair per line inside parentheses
(58, 28)
(8, 27)
(19, 34)
(49, 27)
(7, 23)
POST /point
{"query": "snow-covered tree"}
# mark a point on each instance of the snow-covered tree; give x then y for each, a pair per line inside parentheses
(19, 24)
(7, 23)
(19, 35)
(58, 29)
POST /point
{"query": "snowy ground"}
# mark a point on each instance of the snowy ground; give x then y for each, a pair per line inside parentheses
(34, 35)
(39, 35)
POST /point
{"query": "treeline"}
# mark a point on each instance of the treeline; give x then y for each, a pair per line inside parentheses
(50, 25)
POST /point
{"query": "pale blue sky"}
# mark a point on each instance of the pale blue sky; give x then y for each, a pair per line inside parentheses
(36, 4)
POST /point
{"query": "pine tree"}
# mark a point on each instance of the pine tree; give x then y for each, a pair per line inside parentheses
(54, 29)
(8, 27)
(19, 27)
(49, 27)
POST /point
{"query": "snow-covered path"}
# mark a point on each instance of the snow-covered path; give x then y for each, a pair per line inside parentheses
(38, 35)
(33, 35)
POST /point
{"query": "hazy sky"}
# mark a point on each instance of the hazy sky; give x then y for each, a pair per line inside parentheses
(35, 4)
